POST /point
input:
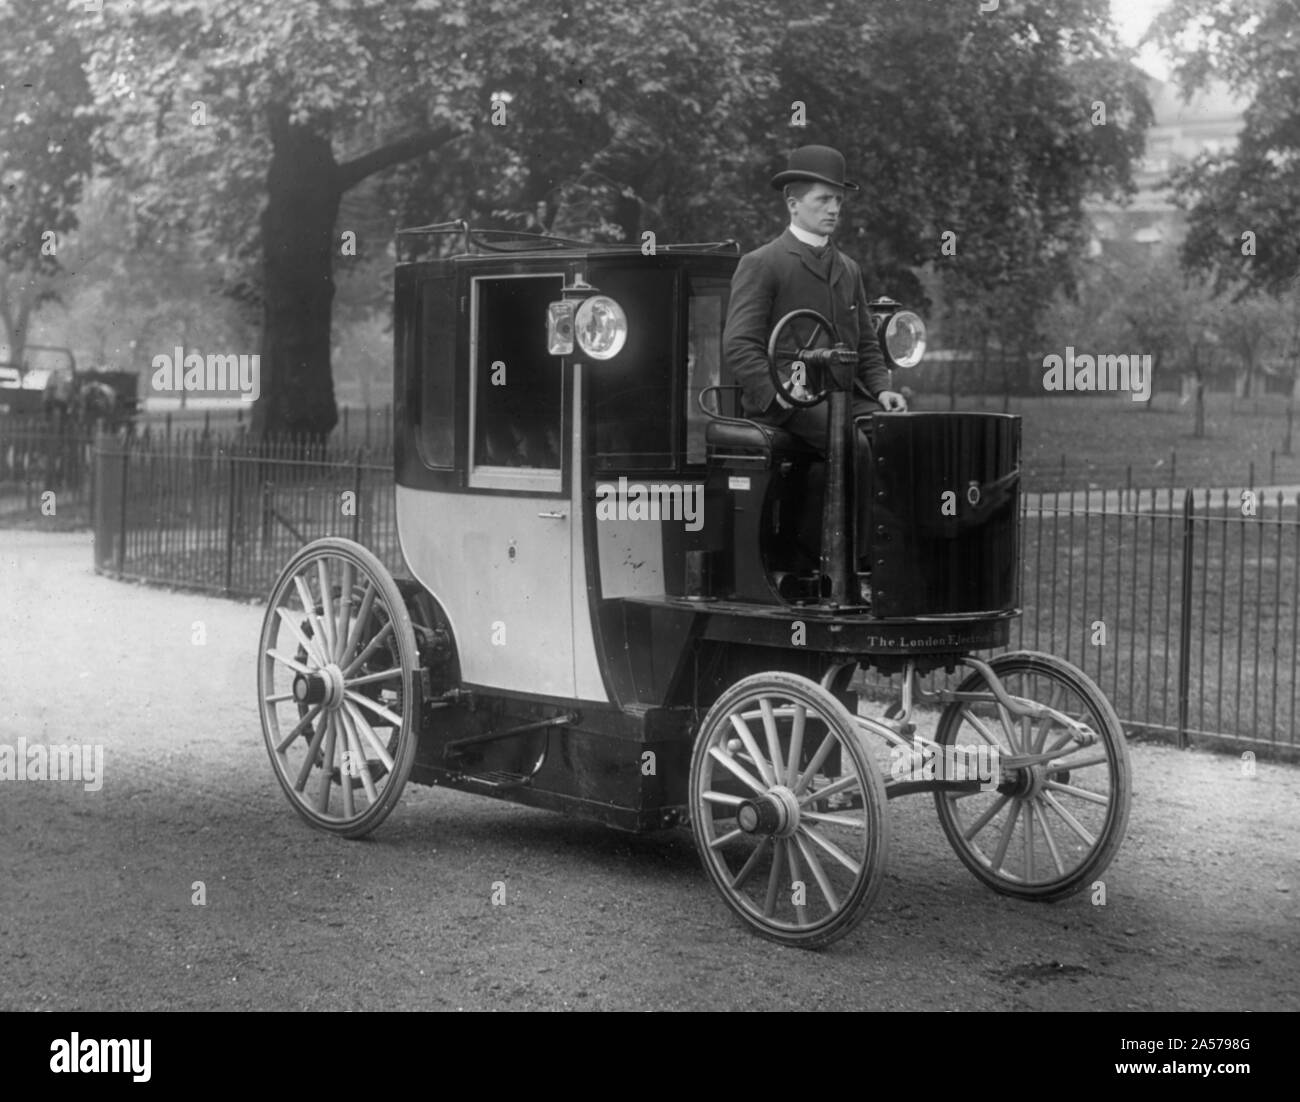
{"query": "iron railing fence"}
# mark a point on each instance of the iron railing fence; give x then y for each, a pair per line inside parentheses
(1183, 605)
(43, 467)
(225, 515)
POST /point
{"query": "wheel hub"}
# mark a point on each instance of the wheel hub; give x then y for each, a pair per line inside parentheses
(1025, 782)
(776, 812)
(324, 685)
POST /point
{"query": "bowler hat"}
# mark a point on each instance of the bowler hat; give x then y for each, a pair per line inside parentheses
(814, 162)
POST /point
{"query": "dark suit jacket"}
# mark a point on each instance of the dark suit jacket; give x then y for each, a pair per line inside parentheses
(777, 278)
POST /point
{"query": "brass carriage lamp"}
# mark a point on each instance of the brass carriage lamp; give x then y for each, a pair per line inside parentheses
(901, 332)
(595, 322)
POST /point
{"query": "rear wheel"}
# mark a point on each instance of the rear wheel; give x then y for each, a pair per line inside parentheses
(1050, 828)
(797, 851)
(338, 687)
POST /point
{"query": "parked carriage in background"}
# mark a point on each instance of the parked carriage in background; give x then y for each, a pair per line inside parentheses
(566, 644)
(50, 412)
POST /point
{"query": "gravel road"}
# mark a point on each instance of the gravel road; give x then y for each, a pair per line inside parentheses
(98, 888)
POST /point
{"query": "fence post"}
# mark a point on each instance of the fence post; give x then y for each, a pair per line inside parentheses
(1185, 621)
(121, 526)
(1272, 467)
(230, 527)
(1128, 484)
(356, 498)
(1173, 469)
(1290, 412)
(1251, 484)
(1062, 486)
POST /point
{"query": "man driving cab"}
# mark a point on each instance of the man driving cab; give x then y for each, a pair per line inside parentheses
(802, 269)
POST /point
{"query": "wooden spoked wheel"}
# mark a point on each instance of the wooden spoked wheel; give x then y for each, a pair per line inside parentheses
(1049, 829)
(787, 810)
(338, 687)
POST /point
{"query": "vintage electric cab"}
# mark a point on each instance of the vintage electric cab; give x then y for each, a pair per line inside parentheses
(628, 602)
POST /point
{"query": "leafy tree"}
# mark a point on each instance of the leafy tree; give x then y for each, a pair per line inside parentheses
(1241, 223)
(571, 116)
(44, 156)
(242, 123)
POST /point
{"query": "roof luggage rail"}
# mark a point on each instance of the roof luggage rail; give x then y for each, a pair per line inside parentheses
(476, 241)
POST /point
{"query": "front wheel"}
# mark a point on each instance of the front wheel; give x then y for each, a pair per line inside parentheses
(1051, 827)
(338, 687)
(788, 810)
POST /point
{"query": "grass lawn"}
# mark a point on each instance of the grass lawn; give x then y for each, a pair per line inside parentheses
(1100, 436)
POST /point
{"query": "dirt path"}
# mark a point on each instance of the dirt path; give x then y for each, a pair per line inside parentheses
(96, 887)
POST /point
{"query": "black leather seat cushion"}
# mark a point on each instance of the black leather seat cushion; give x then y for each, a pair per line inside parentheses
(754, 434)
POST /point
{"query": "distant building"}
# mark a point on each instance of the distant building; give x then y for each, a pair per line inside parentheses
(1181, 132)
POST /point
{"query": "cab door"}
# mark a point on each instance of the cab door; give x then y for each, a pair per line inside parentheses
(517, 533)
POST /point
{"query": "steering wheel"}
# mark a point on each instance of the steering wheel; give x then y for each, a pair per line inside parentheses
(814, 389)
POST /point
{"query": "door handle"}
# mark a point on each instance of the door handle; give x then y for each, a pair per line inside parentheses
(553, 516)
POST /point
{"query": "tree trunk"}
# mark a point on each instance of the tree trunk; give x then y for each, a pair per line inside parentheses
(303, 193)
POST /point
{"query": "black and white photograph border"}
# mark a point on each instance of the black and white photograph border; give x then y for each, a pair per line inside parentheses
(540, 505)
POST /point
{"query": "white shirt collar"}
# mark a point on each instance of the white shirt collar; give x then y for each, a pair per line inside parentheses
(813, 239)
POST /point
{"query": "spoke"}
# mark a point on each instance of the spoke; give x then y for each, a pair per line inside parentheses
(1028, 808)
(385, 675)
(1066, 737)
(747, 869)
(345, 612)
(980, 823)
(722, 839)
(297, 727)
(743, 775)
(1079, 793)
(292, 663)
(1070, 820)
(359, 624)
(815, 763)
(378, 709)
(829, 847)
(819, 873)
(278, 698)
(312, 749)
(326, 604)
(311, 646)
(370, 649)
(1057, 767)
(364, 728)
(359, 759)
(1004, 840)
(832, 820)
(796, 876)
(722, 798)
(773, 740)
(796, 743)
(1051, 843)
(309, 608)
(327, 771)
(1047, 722)
(980, 729)
(843, 784)
(345, 782)
(774, 878)
(1008, 727)
(742, 729)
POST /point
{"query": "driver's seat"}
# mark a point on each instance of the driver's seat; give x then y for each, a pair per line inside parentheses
(772, 483)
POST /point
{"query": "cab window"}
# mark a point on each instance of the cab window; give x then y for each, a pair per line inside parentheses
(517, 398)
